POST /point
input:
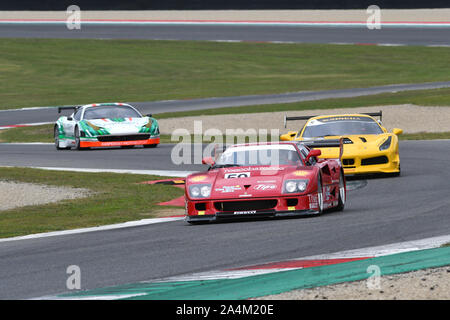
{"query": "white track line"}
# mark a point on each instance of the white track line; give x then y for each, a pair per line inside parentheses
(162, 173)
(143, 222)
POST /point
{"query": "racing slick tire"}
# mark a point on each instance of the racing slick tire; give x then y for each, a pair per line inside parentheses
(342, 195)
(150, 145)
(77, 140)
(319, 195)
(56, 137)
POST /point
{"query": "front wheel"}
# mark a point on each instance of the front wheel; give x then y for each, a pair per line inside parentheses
(78, 140)
(319, 195)
(342, 193)
(57, 141)
(150, 145)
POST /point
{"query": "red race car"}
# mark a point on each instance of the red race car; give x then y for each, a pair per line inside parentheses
(266, 180)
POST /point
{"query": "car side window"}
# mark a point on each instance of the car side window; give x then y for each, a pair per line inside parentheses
(77, 115)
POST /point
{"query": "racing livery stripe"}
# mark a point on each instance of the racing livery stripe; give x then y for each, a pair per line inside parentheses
(85, 144)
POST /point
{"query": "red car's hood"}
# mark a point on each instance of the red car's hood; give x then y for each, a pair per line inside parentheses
(254, 181)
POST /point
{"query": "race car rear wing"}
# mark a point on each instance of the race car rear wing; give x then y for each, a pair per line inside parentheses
(326, 143)
(74, 108)
(372, 114)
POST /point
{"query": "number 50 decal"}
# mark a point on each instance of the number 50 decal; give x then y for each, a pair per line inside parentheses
(237, 175)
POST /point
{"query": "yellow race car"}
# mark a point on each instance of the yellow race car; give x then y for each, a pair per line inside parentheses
(368, 146)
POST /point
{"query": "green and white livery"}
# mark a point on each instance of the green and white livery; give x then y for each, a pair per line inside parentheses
(105, 125)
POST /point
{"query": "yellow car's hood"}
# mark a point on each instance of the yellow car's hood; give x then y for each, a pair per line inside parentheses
(354, 144)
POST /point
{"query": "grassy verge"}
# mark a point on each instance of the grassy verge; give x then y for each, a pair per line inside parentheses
(44, 133)
(42, 72)
(115, 198)
(435, 97)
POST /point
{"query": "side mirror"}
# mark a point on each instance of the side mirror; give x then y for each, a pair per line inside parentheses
(313, 153)
(288, 136)
(149, 115)
(69, 119)
(397, 131)
(208, 161)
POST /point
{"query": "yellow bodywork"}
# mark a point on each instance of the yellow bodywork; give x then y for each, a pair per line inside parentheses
(361, 154)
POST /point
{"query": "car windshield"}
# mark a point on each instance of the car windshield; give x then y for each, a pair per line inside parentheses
(273, 155)
(341, 126)
(110, 112)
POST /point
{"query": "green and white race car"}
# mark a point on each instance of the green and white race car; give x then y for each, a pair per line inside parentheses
(105, 125)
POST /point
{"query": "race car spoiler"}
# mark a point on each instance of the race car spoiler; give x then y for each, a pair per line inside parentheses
(68, 108)
(326, 143)
(372, 114)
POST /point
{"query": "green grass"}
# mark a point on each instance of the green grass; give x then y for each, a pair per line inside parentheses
(115, 198)
(434, 97)
(43, 72)
(44, 133)
(41, 133)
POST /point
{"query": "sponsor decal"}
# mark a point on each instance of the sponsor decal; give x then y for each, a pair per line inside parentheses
(264, 187)
(245, 195)
(301, 173)
(237, 175)
(245, 212)
(228, 189)
(271, 168)
(346, 118)
(198, 178)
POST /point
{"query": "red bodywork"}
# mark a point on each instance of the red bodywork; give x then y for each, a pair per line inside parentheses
(261, 194)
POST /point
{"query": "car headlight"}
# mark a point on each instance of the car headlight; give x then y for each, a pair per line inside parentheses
(385, 145)
(200, 190)
(205, 191)
(295, 186)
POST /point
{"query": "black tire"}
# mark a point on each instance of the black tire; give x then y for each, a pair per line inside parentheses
(150, 145)
(342, 196)
(319, 195)
(127, 147)
(76, 134)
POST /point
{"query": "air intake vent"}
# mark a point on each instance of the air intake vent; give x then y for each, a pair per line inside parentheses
(375, 160)
(245, 205)
(123, 138)
(347, 141)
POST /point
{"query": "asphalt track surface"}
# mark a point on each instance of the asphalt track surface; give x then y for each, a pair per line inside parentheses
(18, 116)
(411, 35)
(387, 210)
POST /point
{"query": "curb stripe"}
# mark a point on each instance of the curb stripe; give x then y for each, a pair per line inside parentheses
(296, 264)
(274, 283)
